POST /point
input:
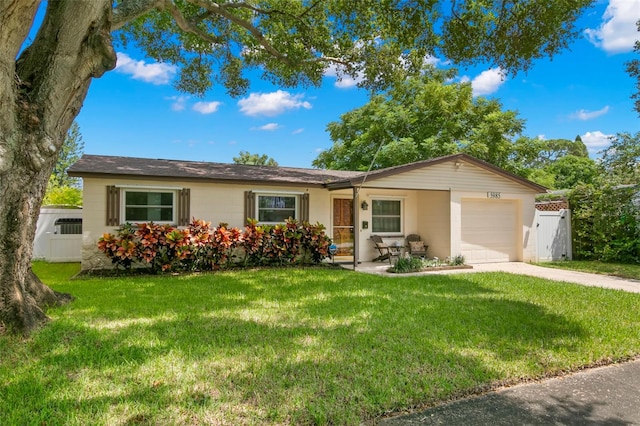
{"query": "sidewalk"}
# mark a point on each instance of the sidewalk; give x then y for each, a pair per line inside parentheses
(594, 280)
(600, 396)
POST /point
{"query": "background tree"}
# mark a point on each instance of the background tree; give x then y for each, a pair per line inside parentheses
(621, 160)
(44, 82)
(633, 68)
(419, 118)
(61, 188)
(245, 157)
(71, 150)
(554, 163)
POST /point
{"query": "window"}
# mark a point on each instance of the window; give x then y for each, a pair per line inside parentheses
(127, 203)
(149, 206)
(68, 226)
(386, 216)
(276, 208)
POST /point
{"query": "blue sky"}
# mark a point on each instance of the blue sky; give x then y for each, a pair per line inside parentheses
(135, 111)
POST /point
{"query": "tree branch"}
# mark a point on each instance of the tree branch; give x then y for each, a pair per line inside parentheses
(219, 10)
(185, 25)
(128, 10)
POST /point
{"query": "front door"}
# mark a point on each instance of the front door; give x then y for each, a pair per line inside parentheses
(343, 226)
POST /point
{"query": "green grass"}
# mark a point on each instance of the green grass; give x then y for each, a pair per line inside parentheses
(298, 346)
(616, 269)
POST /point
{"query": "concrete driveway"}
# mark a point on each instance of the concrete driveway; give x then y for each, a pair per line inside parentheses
(594, 280)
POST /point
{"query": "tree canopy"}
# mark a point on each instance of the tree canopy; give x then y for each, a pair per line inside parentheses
(44, 80)
(621, 159)
(429, 116)
(293, 42)
(633, 68)
(245, 157)
(419, 118)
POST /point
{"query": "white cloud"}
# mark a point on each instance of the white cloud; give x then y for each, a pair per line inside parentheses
(487, 82)
(269, 127)
(271, 104)
(155, 73)
(297, 131)
(595, 141)
(206, 107)
(433, 60)
(178, 102)
(342, 81)
(618, 31)
(589, 115)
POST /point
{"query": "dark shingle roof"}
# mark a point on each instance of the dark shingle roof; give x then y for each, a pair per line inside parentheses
(103, 165)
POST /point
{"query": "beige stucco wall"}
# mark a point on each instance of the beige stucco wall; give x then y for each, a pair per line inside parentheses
(431, 199)
(434, 222)
(211, 202)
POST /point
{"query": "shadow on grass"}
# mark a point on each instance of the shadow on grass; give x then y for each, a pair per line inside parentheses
(295, 347)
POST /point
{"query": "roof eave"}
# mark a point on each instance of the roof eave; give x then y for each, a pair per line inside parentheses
(194, 179)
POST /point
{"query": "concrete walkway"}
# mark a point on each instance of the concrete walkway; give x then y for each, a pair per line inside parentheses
(600, 396)
(521, 268)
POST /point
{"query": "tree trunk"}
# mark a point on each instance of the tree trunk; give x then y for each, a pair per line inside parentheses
(40, 95)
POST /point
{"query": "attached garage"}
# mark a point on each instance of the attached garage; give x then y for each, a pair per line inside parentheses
(490, 230)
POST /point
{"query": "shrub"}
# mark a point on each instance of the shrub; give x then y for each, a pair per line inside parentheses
(606, 223)
(161, 247)
(120, 248)
(315, 242)
(253, 242)
(200, 247)
(408, 264)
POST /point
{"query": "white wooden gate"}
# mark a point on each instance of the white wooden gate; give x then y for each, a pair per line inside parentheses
(554, 235)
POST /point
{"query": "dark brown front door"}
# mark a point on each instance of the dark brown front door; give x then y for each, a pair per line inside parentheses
(343, 226)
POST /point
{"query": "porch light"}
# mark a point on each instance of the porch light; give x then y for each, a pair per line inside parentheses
(364, 205)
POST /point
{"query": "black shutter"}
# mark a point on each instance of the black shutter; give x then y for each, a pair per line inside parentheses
(184, 207)
(113, 206)
(304, 207)
(249, 205)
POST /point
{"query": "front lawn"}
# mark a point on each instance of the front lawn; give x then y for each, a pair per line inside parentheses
(299, 346)
(622, 270)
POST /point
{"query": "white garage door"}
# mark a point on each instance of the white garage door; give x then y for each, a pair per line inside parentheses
(489, 230)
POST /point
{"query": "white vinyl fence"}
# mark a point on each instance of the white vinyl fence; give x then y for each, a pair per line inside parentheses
(58, 235)
(554, 234)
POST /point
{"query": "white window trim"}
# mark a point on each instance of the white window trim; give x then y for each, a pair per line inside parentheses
(389, 198)
(259, 194)
(137, 188)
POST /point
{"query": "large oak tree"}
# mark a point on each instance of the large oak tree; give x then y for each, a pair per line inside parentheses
(419, 118)
(43, 83)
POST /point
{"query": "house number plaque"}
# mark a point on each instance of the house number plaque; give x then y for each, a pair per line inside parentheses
(494, 195)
